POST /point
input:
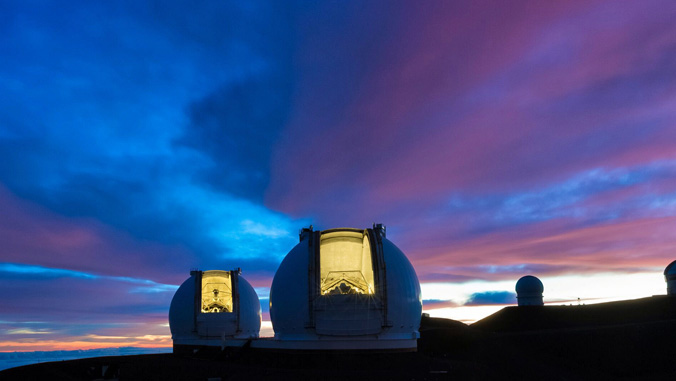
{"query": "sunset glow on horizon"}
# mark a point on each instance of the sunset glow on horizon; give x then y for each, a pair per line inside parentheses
(139, 140)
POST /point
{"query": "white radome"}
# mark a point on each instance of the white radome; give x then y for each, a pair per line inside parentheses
(346, 289)
(529, 291)
(213, 306)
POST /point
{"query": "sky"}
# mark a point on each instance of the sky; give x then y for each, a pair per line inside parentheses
(140, 139)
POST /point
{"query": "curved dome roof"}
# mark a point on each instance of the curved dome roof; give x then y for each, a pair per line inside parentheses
(670, 269)
(181, 310)
(345, 283)
(529, 285)
(214, 304)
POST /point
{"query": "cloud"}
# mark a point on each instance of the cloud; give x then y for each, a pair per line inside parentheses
(27, 331)
(54, 244)
(86, 300)
(142, 285)
(554, 249)
(45, 309)
(491, 297)
(429, 304)
(569, 198)
(464, 113)
(163, 122)
(42, 271)
(236, 127)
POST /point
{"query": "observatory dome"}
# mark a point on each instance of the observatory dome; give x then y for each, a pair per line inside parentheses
(346, 289)
(529, 291)
(670, 278)
(212, 306)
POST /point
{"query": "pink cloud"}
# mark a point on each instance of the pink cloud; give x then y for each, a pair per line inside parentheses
(34, 235)
(479, 102)
(613, 247)
(42, 312)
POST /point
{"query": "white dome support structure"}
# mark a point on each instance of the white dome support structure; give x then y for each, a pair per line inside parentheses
(214, 309)
(670, 278)
(529, 291)
(345, 289)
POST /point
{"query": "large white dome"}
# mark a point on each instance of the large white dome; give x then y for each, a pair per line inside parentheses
(212, 306)
(342, 284)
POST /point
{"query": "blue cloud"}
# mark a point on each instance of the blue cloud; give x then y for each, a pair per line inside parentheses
(491, 297)
(515, 271)
(265, 305)
(567, 199)
(40, 272)
(237, 127)
(438, 303)
(163, 120)
(43, 271)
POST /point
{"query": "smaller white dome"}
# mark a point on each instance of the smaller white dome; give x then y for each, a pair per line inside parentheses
(529, 291)
(529, 285)
(213, 305)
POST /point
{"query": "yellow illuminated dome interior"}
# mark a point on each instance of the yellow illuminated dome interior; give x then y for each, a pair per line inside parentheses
(345, 263)
(216, 292)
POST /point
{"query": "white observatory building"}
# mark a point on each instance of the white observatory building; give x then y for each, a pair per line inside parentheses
(345, 289)
(529, 291)
(670, 278)
(214, 309)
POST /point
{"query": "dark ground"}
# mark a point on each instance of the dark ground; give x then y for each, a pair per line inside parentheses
(567, 343)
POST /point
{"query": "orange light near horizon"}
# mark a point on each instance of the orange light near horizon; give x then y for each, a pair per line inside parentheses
(87, 342)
